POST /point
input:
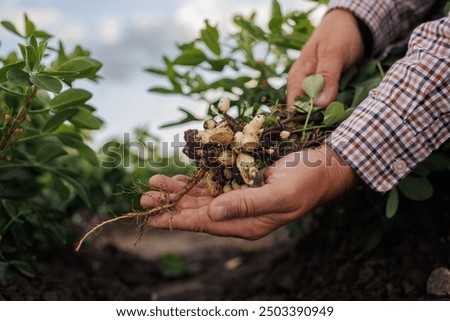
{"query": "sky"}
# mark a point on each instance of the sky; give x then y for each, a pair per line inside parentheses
(127, 36)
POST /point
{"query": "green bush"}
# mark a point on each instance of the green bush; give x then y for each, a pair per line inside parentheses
(45, 123)
(52, 183)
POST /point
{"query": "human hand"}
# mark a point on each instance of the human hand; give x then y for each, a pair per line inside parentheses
(335, 46)
(293, 186)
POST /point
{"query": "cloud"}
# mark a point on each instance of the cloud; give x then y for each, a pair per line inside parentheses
(8, 4)
(133, 42)
(191, 14)
(146, 36)
(110, 30)
(53, 20)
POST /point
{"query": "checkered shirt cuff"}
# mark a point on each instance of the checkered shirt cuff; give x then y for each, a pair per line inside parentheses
(406, 117)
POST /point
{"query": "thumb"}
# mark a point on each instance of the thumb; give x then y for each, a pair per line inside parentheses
(243, 203)
(331, 70)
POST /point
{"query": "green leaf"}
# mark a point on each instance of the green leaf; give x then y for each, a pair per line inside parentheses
(58, 231)
(85, 119)
(334, 113)
(24, 268)
(361, 93)
(302, 104)
(210, 36)
(57, 73)
(276, 21)
(11, 27)
(156, 71)
(12, 92)
(47, 83)
(6, 275)
(416, 188)
(347, 77)
(59, 118)
(313, 85)
(392, 203)
(189, 117)
(253, 30)
(348, 112)
(34, 43)
(290, 41)
(31, 57)
(81, 191)
(437, 162)
(43, 98)
(10, 208)
(70, 97)
(346, 97)
(190, 57)
(219, 64)
(371, 237)
(85, 67)
(61, 188)
(446, 8)
(29, 26)
(75, 141)
(421, 170)
(41, 50)
(161, 90)
(362, 89)
(48, 152)
(18, 77)
(4, 70)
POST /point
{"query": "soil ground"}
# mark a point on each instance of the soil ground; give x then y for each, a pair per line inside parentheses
(324, 264)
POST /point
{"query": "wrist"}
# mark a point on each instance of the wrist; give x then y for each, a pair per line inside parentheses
(339, 177)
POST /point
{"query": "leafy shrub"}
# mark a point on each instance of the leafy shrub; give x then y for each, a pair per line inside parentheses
(51, 181)
(44, 126)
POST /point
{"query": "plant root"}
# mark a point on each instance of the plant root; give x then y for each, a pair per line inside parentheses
(145, 215)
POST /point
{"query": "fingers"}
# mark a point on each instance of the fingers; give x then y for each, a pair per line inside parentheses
(330, 67)
(198, 221)
(325, 63)
(166, 183)
(155, 198)
(249, 202)
(304, 66)
(168, 187)
(176, 184)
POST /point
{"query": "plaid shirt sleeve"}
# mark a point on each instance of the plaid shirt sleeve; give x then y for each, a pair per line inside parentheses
(389, 21)
(406, 117)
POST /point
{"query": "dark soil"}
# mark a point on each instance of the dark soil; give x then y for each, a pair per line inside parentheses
(338, 258)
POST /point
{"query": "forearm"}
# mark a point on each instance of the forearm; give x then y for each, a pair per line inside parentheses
(388, 21)
(406, 117)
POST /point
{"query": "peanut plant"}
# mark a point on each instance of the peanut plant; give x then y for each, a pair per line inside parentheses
(250, 67)
(45, 122)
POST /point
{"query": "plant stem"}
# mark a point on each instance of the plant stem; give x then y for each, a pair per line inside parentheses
(304, 129)
(307, 119)
(8, 139)
(25, 139)
(380, 69)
